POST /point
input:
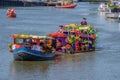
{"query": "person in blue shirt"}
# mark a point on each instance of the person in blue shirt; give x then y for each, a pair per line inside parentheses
(84, 22)
(36, 47)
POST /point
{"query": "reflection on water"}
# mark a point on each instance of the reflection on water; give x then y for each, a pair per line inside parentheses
(70, 58)
(27, 68)
(110, 19)
(32, 70)
(42, 67)
(119, 27)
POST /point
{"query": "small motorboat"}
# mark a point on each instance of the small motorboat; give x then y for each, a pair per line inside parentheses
(11, 13)
(66, 6)
(103, 7)
(11, 16)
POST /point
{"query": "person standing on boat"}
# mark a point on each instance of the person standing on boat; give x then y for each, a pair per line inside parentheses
(13, 12)
(61, 30)
(84, 22)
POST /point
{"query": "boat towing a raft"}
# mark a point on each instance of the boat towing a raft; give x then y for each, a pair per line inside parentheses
(69, 38)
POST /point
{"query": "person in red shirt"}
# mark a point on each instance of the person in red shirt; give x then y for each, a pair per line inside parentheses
(61, 30)
(12, 12)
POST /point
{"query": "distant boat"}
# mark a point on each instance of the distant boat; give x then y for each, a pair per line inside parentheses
(66, 6)
(11, 13)
(103, 7)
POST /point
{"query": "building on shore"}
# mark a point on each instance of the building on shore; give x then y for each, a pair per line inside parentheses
(24, 3)
(21, 3)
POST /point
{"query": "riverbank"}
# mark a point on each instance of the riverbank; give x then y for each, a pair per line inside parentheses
(92, 0)
(4, 3)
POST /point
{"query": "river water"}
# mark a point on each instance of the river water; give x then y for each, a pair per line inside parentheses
(103, 64)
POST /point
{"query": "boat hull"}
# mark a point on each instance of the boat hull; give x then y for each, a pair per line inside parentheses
(24, 54)
(11, 16)
(67, 6)
(103, 10)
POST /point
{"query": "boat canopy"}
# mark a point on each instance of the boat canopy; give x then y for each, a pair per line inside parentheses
(25, 36)
(78, 27)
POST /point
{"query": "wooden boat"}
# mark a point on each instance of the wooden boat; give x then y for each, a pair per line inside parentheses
(24, 54)
(23, 48)
(66, 6)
